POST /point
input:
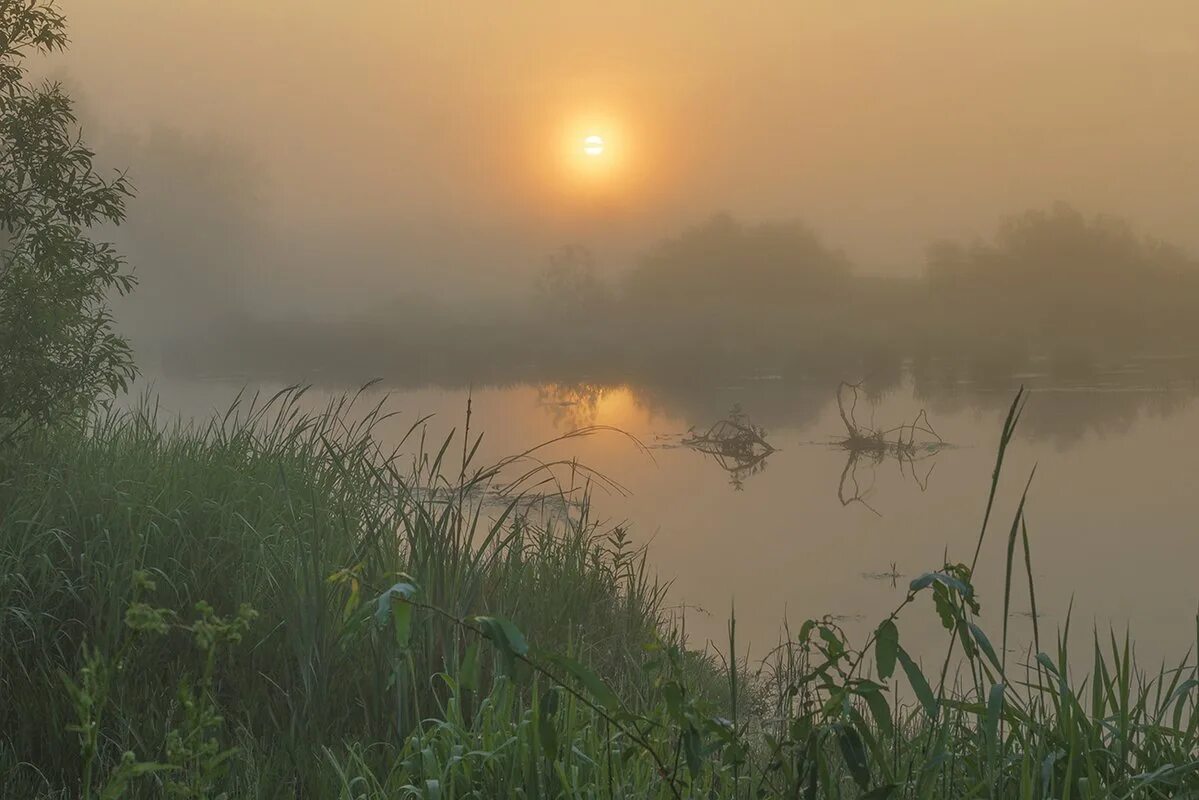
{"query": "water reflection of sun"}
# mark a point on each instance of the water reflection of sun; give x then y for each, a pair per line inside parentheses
(579, 405)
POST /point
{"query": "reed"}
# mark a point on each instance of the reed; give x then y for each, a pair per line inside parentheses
(271, 604)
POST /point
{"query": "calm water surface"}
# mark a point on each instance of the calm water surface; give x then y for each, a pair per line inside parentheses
(1112, 510)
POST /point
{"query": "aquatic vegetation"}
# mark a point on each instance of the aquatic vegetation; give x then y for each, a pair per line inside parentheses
(407, 644)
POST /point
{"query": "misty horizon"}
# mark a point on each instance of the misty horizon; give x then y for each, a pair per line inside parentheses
(420, 153)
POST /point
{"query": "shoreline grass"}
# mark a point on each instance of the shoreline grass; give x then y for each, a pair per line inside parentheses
(270, 605)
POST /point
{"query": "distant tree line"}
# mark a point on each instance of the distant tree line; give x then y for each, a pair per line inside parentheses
(1051, 282)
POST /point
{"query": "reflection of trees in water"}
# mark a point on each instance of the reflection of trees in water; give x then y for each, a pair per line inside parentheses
(1062, 411)
(736, 445)
(572, 405)
(775, 401)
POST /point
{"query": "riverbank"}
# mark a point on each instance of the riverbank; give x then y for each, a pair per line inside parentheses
(272, 605)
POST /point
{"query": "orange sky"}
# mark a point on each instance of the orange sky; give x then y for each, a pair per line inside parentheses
(883, 124)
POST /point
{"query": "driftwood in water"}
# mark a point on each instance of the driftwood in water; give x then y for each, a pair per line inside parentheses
(734, 443)
(864, 443)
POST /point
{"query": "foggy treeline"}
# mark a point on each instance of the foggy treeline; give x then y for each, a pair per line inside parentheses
(728, 298)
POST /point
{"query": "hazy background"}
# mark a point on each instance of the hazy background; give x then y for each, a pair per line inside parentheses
(316, 160)
(947, 199)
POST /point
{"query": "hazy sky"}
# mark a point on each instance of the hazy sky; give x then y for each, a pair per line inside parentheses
(450, 131)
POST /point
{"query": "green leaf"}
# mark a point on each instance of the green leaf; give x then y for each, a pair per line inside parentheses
(880, 710)
(672, 691)
(469, 675)
(595, 687)
(984, 644)
(835, 647)
(692, 747)
(886, 642)
(994, 709)
(922, 582)
(883, 792)
(404, 590)
(968, 647)
(945, 607)
(546, 731)
(943, 579)
(401, 618)
(1047, 662)
(854, 753)
(919, 685)
(503, 634)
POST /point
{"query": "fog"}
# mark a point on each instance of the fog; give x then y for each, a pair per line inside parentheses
(334, 174)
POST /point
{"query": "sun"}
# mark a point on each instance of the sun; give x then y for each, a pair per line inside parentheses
(593, 145)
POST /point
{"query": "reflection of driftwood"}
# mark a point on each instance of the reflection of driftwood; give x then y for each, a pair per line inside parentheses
(893, 575)
(871, 446)
(735, 444)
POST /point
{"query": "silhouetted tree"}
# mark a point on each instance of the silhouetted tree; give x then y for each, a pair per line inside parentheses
(58, 347)
(568, 287)
(724, 261)
(1060, 278)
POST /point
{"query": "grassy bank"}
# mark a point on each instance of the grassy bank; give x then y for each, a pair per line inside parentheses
(271, 606)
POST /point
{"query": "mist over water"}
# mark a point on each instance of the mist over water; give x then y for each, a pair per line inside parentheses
(941, 203)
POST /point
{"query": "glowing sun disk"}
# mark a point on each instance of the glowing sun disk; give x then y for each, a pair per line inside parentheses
(593, 145)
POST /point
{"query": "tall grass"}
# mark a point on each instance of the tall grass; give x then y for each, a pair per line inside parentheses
(411, 640)
(302, 517)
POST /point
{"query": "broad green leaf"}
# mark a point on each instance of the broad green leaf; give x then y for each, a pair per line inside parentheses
(880, 710)
(405, 590)
(919, 685)
(835, 647)
(886, 642)
(946, 610)
(945, 579)
(503, 634)
(854, 753)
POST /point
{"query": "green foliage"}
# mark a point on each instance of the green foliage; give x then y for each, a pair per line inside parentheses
(58, 347)
(403, 645)
(298, 515)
